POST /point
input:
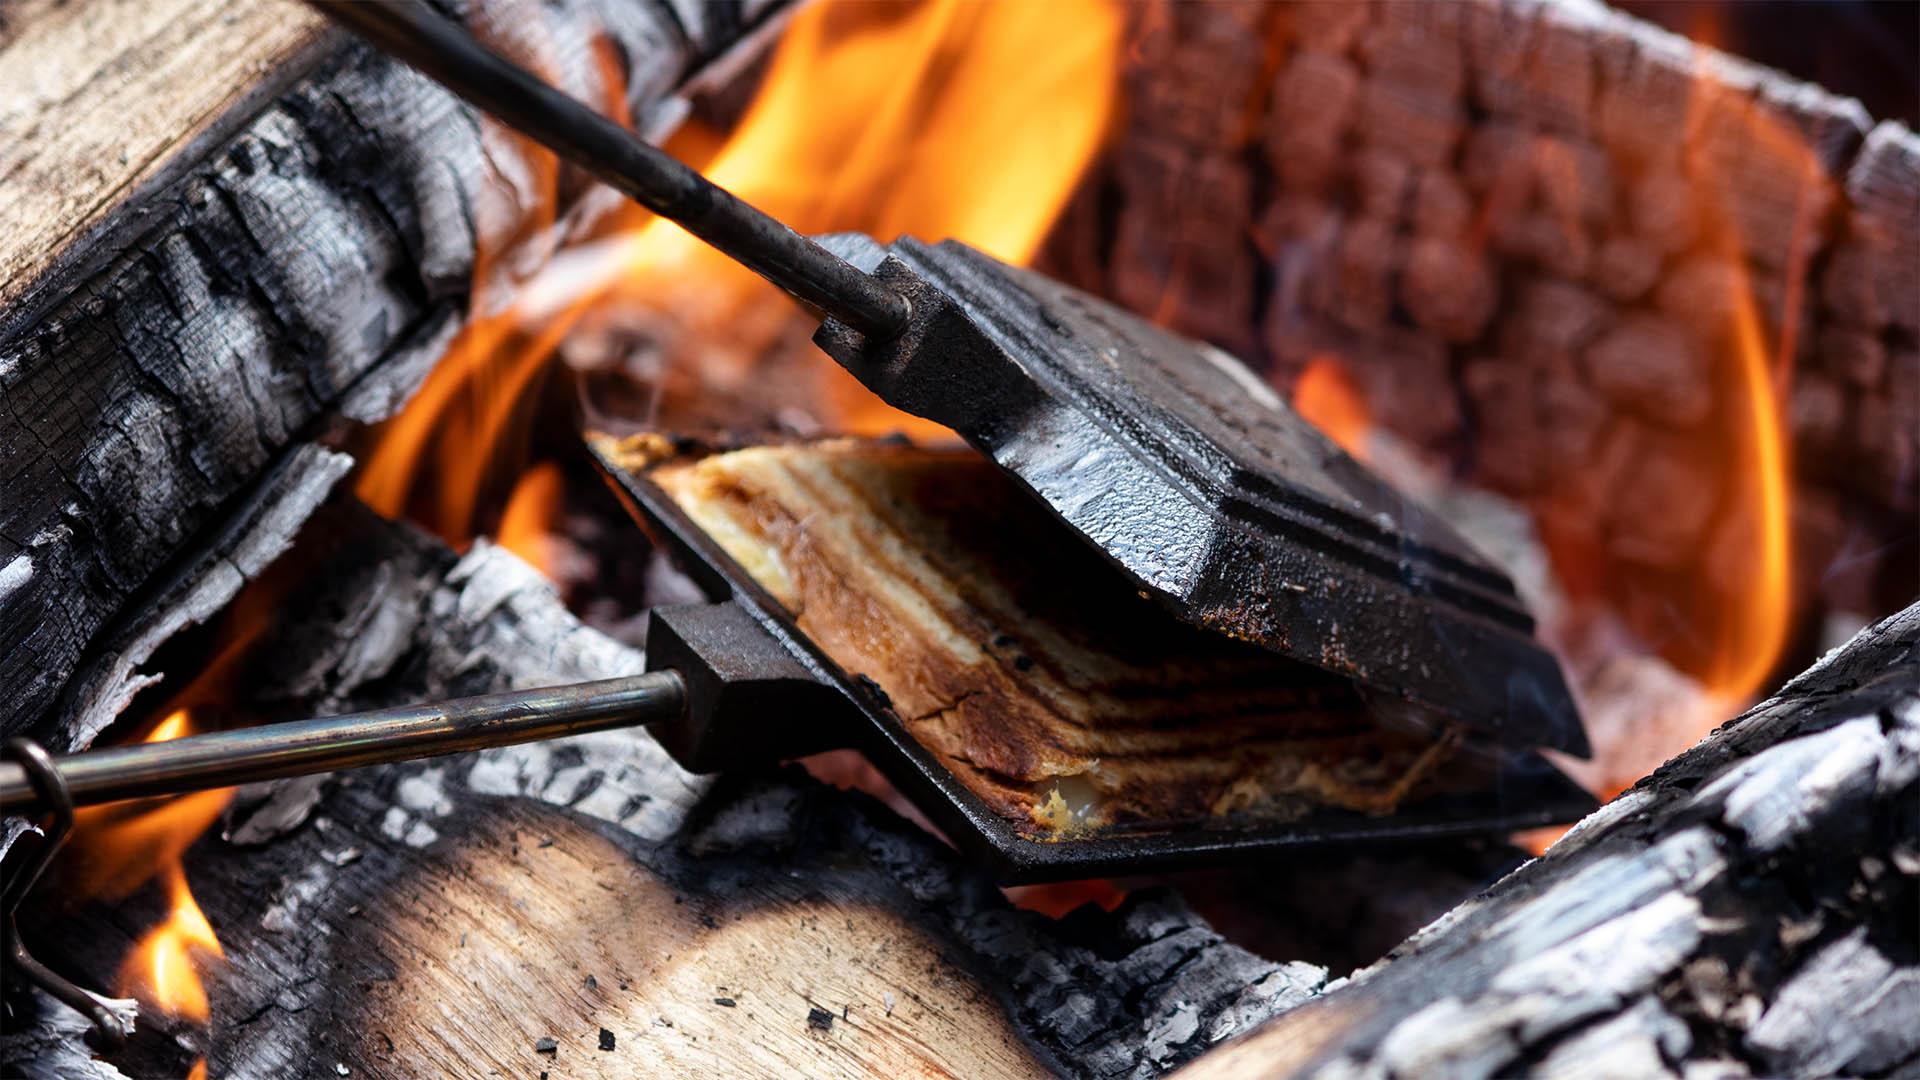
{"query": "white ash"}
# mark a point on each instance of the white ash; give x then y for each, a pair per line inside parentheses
(284, 913)
(1640, 1042)
(1848, 1010)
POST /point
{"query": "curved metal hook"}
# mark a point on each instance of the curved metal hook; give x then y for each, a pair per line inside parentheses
(109, 1030)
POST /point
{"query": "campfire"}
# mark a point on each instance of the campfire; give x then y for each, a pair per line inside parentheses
(344, 397)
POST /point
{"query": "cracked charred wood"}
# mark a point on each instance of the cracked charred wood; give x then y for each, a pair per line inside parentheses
(288, 238)
(1747, 910)
(413, 919)
(256, 529)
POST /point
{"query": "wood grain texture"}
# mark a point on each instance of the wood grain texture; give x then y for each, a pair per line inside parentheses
(97, 98)
(523, 922)
(265, 282)
(1747, 910)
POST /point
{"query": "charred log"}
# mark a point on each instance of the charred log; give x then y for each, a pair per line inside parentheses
(1520, 228)
(302, 259)
(1747, 910)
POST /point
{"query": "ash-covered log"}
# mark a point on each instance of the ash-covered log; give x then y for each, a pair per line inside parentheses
(287, 242)
(1747, 910)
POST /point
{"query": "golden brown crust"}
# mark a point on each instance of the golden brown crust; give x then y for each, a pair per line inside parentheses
(1055, 692)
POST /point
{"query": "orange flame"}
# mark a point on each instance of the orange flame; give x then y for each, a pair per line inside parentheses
(1753, 638)
(472, 408)
(1754, 634)
(523, 525)
(1745, 628)
(120, 847)
(1326, 397)
(163, 970)
(946, 119)
(940, 118)
(1654, 718)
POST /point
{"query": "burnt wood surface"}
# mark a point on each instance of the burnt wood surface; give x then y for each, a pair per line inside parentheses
(254, 533)
(1747, 910)
(441, 917)
(306, 266)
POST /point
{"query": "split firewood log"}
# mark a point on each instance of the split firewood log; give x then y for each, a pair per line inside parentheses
(1747, 910)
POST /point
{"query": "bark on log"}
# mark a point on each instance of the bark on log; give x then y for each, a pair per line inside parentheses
(304, 267)
(1747, 910)
(415, 920)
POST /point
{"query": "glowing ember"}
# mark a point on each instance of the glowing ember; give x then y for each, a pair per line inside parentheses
(1057, 900)
(1325, 397)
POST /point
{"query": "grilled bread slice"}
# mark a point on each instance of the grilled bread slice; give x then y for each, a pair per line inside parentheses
(1064, 699)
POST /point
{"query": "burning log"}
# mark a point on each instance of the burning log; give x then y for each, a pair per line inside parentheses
(297, 248)
(1747, 910)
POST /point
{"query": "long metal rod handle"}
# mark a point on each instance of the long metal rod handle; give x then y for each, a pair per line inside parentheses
(447, 53)
(244, 755)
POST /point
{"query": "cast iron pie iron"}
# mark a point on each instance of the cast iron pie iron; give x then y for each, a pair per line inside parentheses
(1166, 459)
(817, 703)
(1185, 470)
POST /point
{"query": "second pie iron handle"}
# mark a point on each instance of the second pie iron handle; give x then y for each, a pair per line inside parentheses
(722, 692)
